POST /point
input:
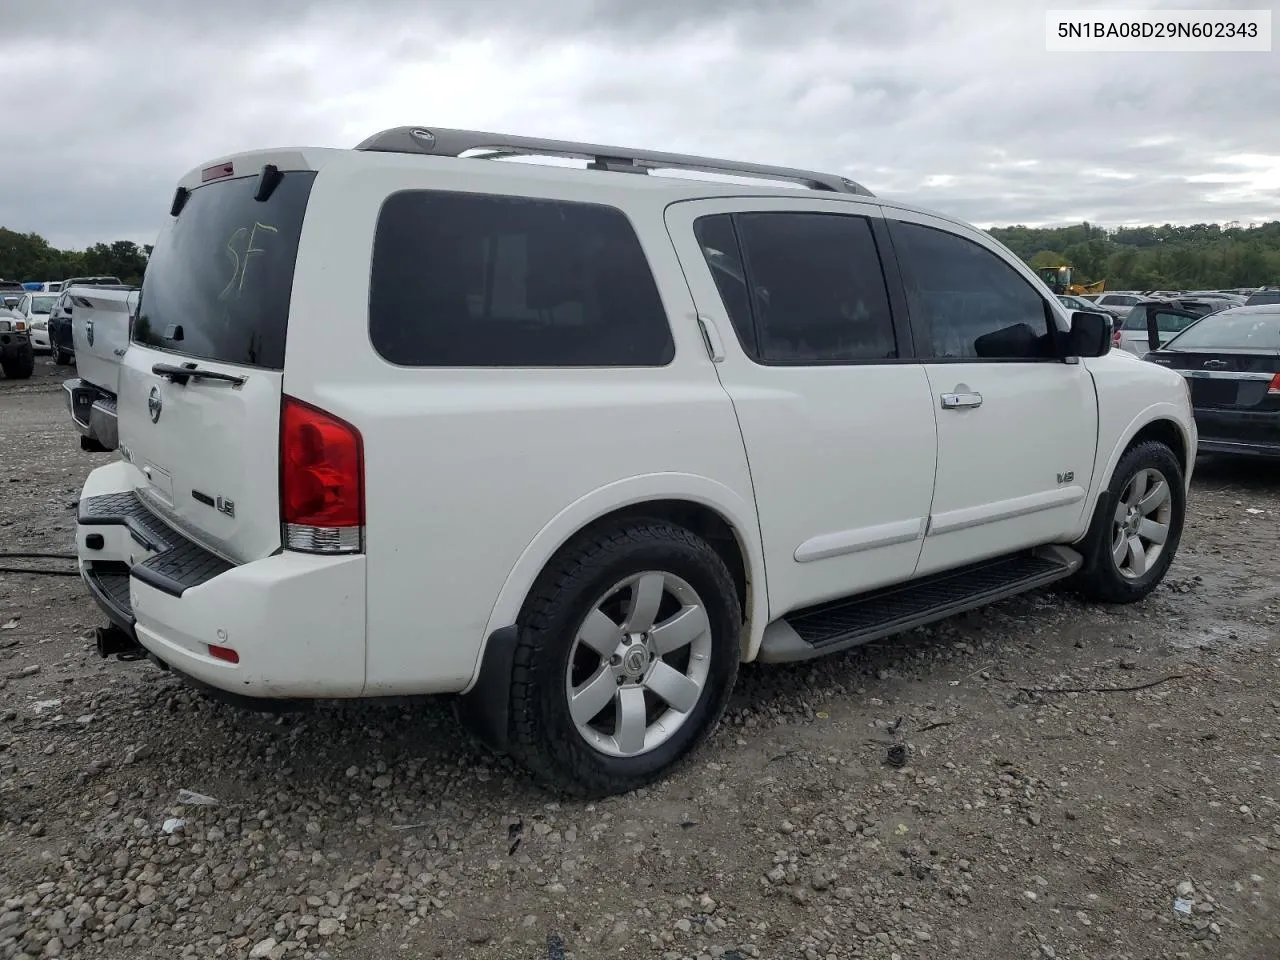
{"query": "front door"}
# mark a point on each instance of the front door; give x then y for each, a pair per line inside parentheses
(836, 415)
(1017, 425)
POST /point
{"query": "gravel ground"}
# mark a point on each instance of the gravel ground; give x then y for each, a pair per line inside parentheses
(1032, 816)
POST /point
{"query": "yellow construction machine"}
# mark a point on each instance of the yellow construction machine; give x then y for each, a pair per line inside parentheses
(1059, 281)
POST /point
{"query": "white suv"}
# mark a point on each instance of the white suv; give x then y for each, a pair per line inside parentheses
(574, 443)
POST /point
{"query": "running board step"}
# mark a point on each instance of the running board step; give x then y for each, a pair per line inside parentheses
(841, 624)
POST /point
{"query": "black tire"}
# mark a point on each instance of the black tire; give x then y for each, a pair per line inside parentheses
(1100, 578)
(61, 358)
(543, 736)
(19, 366)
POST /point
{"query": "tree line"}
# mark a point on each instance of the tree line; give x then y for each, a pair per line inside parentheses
(29, 256)
(1203, 256)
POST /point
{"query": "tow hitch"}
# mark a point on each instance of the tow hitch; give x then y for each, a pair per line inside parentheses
(114, 642)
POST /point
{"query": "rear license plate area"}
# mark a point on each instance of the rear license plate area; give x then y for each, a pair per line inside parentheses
(1213, 392)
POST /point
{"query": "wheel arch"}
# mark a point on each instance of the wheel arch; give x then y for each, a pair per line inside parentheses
(707, 507)
(1162, 424)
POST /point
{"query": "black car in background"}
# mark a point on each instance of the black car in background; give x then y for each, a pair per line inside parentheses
(60, 340)
(1231, 360)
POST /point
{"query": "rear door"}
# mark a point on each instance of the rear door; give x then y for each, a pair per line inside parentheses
(215, 301)
(834, 410)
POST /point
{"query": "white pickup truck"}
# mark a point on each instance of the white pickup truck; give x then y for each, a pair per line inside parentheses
(100, 331)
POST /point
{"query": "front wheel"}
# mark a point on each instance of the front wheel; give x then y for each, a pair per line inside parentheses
(61, 357)
(627, 652)
(1138, 527)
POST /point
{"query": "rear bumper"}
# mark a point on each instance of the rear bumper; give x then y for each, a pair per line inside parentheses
(93, 411)
(296, 622)
(1253, 433)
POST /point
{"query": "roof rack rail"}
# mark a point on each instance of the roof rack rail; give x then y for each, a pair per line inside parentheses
(443, 142)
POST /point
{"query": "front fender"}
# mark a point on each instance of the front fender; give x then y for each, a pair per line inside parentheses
(736, 510)
(1120, 436)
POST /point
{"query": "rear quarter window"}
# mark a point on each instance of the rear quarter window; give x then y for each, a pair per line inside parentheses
(473, 280)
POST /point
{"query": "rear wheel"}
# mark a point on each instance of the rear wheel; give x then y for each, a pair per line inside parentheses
(628, 649)
(61, 357)
(20, 365)
(1137, 528)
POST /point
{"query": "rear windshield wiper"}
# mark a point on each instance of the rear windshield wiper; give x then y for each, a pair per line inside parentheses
(186, 372)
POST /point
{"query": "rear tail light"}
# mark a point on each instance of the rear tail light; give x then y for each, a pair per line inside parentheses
(1273, 389)
(321, 481)
(1115, 337)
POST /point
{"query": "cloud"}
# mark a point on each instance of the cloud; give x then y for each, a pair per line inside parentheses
(948, 105)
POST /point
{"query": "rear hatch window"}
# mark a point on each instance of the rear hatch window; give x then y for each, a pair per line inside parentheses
(217, 285)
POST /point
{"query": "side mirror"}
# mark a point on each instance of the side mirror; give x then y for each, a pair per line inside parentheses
(1090, 335)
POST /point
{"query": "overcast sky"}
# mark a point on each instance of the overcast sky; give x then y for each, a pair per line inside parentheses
(953, 105)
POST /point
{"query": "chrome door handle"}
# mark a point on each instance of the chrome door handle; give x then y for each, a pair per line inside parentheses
(960, 401)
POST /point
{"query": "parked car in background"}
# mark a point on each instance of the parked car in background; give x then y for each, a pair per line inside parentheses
(35, 309)
(17, 357)
(1072, 302)
(11, 292)
(1265, 295)
(60, 341)
(1119, 303)
(1231, 299)
(1075, 303)
(100, 329)
(1202, 306)
(1170, 316)
(60, 337)
(1231, 360)
(579, 442)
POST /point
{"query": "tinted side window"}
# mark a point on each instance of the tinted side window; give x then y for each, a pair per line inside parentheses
(1172, 322)
(817, 292)
(719, 242)
(971, 303)
(487, 281)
